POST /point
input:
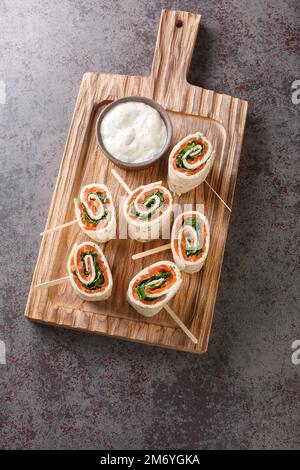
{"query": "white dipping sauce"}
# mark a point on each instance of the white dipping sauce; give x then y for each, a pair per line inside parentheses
(133, 132)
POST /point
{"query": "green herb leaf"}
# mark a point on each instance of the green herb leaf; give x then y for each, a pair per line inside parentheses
(189, 146)
(148, 203)
(197, 225)
(86, 216)
(99, 276)
(144, 285)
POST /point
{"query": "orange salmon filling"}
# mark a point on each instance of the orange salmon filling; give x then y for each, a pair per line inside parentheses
(77, 267)
(169, 282)
(195, 160)
(93, 207)
(140, 203)
(183, 245)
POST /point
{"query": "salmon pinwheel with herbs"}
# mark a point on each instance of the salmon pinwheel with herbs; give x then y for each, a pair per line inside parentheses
(95, 212)
(153, 287)
(146, 210)
(89, 272)
(190, 161)
(190, 241)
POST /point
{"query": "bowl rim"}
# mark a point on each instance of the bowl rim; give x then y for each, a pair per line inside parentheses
(165, 117)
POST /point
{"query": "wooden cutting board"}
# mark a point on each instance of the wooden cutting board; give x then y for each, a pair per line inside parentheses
(191, 108)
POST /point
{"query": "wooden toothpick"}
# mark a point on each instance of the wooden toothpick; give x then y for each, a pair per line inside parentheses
(158, 249)
(180, 324)
(121, 181)
(124, 185)
(215, 192)
(58, 227)
(54, 282)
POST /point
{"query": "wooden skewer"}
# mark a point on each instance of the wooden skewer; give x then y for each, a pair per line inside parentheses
(157, 182)
(217, 195)
(121, 181)
(54, 282)
(124, 185)
(58, 227)
(180, 324)
(158, 249)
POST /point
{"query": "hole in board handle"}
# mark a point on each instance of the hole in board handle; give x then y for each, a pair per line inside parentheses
(179, 23)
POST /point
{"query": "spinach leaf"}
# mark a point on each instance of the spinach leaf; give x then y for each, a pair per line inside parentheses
(144, 284)
(86, 216)
(196, 224)
(148, 203)
(99, 277)
(189, 146)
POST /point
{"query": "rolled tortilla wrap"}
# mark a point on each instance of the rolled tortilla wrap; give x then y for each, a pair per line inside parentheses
(89, 272)
(190, 161)
(153, 287)
(190, 239)
(146, 209)
(95, 212)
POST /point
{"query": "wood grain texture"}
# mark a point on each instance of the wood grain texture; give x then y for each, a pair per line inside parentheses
(222, 118)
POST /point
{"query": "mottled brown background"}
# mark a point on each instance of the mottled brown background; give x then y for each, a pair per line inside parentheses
(65, 390)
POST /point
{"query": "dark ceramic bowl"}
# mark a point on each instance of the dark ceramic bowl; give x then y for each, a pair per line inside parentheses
(165, 117)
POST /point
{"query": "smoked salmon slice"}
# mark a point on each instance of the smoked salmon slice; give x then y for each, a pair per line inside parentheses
(153, 287)
(89, 272)
(146, 210)
(190, 240)
(190, 162)
(95, 212)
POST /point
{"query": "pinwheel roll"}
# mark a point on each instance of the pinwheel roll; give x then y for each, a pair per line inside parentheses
(189, 163)
(146, 210)
(190, 241)
(89, 272)
(95, 212)
(153, 287)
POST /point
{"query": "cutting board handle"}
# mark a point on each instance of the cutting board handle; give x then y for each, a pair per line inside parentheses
(174, 49)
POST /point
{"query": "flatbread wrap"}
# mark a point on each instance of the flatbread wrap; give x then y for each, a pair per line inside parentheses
(154, 287)
(95, 212)
(146, 210)
(190, 240)
(190, 162)
(89, 272)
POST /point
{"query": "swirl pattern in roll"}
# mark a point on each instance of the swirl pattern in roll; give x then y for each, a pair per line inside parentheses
(146, 209)
(190, 161)
(190, 241)
(89, 272)
(153, 287)
(95, 212)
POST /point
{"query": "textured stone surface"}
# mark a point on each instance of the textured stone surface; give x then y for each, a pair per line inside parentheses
(65, 390)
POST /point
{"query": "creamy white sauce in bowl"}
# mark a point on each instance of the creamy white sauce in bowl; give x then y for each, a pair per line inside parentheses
(133, 132)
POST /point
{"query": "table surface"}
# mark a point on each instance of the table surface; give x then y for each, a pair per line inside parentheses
(65, 390)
